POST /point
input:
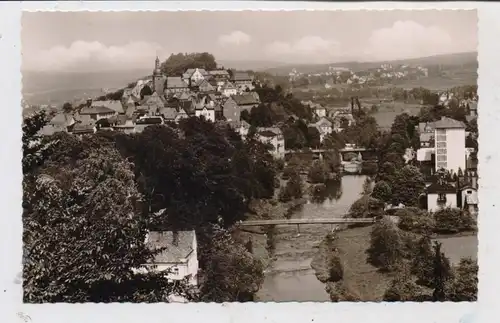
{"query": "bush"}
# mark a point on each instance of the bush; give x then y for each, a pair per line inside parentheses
(450, 220)
(318, 173)
(366, 207)
(386, 246)
(422, 265)
(382, 191)
(415, 220)
(335, 269)
(402, 289)
(463, 286)
(287, 172)
(340, 293)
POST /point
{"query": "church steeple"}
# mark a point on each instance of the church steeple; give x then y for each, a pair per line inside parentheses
(157, 63)
(158, 81)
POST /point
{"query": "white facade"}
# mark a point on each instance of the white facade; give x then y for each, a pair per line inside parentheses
(179, 268)
(433, 205)
(197, 76)
(209, 114)
(320, 112)
(450, 149)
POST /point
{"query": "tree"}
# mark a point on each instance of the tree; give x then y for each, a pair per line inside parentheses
(441, 273)
(415, 220)
(422, 265)
(407, 186)
(230, 273)
(94, 194)
(382, 191)
(463, 286)
(293, 188)
(177, 64)
(318, 173)
(35, 147)
(386, 246)
(67, 107)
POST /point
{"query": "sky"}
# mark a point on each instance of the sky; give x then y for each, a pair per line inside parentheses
(87, 41)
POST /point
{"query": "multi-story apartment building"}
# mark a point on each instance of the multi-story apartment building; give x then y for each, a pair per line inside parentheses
(449, 144)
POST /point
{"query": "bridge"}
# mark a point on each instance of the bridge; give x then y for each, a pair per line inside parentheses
(360, 153)
(253, 223)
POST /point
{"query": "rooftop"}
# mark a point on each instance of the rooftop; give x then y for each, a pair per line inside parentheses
(178, 246)
(448, 123)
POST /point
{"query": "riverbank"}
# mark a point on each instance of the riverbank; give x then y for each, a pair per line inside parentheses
(361, 280)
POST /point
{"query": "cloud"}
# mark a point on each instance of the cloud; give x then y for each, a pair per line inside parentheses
(312, 47)
(82, 55)
(406, 39)
(235, 38)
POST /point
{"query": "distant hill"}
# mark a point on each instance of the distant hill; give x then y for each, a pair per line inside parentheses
(249, 65)
(60, 87)
(468, 59)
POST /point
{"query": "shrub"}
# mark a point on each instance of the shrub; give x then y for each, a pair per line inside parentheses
(402, 288)
(288, 171)
(415, 220)
(422, 265)
(366, 207)
(463, 286)
(386, 246)
(335, 269)
(450, 220)
(340, 293)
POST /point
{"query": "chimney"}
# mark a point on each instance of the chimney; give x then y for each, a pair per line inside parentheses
(175, 238)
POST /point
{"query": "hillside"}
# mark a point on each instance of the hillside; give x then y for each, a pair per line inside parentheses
(59, 87)
(468, 59)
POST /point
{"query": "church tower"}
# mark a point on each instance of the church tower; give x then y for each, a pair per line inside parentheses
(158, 82)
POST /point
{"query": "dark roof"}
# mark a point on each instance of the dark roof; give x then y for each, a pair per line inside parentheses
(436, 188)
(96, 110)
(447, 123)
(241, 76)
(176, 249)
(267, 133)
(218, 72)
(113, 105)
(174, 82)
(245, 99)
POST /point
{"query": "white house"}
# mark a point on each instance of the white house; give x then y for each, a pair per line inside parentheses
(228, 89)
(180, 257)
(441, 195)
(324, 127)
(206, 110)
(450, 144)
(275, 138)
(469, 199)
(97, 112)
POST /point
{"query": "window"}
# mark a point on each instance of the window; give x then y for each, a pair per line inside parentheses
(441, 198)
(441, 151)
(441, 144)
(441, 158)
(441, 131)
(469, 191)
(441, 137)
(175, 270)
(442, 165)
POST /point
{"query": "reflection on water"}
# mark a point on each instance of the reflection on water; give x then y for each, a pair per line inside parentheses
(290, 277)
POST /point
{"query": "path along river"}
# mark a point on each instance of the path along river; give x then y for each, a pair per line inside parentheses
(290, 276)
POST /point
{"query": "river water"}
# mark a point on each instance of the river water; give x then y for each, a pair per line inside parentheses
(290, 276)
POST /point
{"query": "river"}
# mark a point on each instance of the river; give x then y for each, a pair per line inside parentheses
(290, 276)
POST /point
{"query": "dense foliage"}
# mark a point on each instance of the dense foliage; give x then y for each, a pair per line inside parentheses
(176, 64)
(89, 202)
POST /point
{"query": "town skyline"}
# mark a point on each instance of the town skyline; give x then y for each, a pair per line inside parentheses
(97, 41)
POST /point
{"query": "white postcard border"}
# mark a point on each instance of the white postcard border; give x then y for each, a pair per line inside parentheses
(10, 151)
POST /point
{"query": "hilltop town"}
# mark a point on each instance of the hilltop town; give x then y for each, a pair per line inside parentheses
(205, 150)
